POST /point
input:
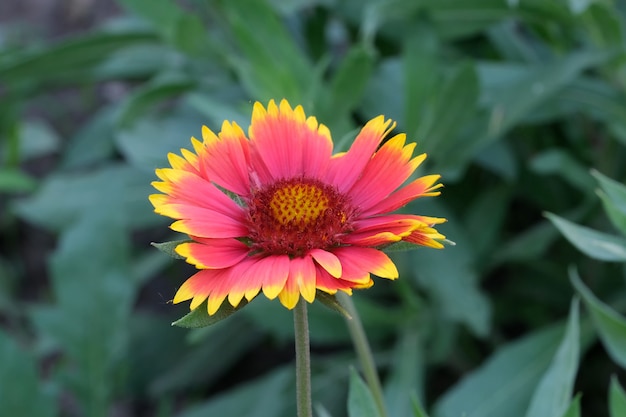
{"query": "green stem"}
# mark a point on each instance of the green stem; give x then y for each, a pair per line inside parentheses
(364, 352)
(303, 360)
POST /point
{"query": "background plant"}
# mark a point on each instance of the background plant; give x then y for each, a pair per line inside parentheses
(515, 102)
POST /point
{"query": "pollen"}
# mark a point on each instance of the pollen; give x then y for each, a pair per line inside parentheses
(296, 215)
(298, 203)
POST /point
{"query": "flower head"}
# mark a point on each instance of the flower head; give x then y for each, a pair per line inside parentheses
(279, 213)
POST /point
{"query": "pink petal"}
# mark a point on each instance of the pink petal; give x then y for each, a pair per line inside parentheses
(344, 170)
(420, 187)
(358, 261)
(328, 261)
(226, 159)
(213, 253)
(387, 170)
(285, 144)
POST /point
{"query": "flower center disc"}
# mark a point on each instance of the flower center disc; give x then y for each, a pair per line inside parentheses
(296, 215)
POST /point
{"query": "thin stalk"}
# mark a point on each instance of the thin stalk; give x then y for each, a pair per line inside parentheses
(363, 352)
(303, 360)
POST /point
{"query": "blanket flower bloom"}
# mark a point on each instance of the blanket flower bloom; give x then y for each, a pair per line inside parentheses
(279, 213)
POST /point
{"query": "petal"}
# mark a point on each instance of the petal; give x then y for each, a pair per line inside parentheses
(205, 223)
(290, 294)
(385, 172)
(213, 253)
(199, 287)
(327, 283)
(346, 168)
(376, 231)
(426, 236)
(227, 158)
(328, 261)
(274, 275)
(187, 188)
(302, 271)
(285, 144)
(355, 258)
(269, 273)
(421, 187)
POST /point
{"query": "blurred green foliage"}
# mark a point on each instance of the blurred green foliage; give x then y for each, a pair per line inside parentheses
(521, 105)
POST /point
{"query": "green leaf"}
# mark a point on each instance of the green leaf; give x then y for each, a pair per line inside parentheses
(562, 163)
(614, 200)
(152, 93)
(94, 294)
(69, 60)
(169, 248)
(617, 399)
(553, 393)
(360, 400)
(282, 70)
(199, 317)
(349, 81)
(406, 375)
(179, 28)
(504, 384)
(595, 244)
(64, 198)
(418, 410)
(610, 325)
(330, 301)
(257, 398)
(13, 180)
(574, 408)
(21, 393)
(452, 108)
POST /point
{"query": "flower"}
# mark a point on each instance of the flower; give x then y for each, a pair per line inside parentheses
(278, 213)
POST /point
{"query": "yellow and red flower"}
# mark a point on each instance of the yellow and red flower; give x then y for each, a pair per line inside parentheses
(279, 213)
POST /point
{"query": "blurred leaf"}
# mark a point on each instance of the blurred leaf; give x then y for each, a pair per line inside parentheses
(553, 393)
(330, 301)
(574, 408)
(418, 410)
(90, 274)
(537, 85)
(360, 400)
(349, 81)
(406, 379)
(21, 393)
(70, 60)
(450, 275)
(595, 244)
(92, 143)
(579, 6)
(152, 93)
(617, 399)
(503, 385)
(199, 317)
(614, 200)
(320, 411)
(147, 142)
(561, 162)
(13, 180)
(453, 106)
(281, 70)
(37, 138)
(602, 24)
(610, 325)
(494, 201)
(176, 26)
(422, 74)
(268, 396)
(64, 198)
(229, 341)
(169, 248)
